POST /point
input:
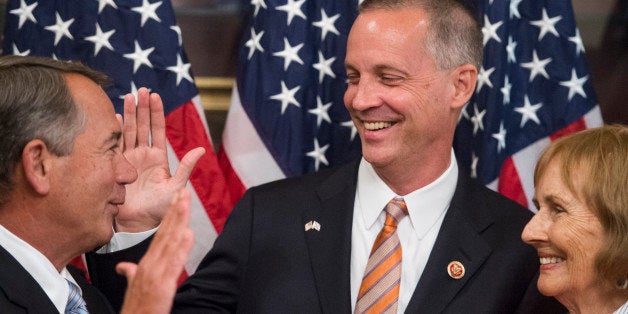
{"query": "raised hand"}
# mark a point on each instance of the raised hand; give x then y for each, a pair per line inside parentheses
(144, 133)
(153, 282)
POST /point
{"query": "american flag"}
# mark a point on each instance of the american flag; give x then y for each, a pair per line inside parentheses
(287, 115)
(137, 43)
(533, 87)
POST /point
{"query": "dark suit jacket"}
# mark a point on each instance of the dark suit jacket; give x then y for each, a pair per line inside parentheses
(265, 262)
(20, 293)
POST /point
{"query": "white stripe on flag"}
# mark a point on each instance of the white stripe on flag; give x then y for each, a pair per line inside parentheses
(248, 155)
(204, 232)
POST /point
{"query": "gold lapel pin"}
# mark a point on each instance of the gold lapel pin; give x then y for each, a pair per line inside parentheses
(455, 270)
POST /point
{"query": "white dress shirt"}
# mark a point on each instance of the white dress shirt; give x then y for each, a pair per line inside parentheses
(622, 309)
(39, 267)
(124, 240)
(417, 232)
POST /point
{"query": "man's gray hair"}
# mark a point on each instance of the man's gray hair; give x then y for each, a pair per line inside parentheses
(454, 35)
(35, 103)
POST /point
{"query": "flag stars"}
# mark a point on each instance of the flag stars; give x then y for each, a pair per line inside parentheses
(575, 85)
(61, 28)
(17, 51)
(103, 3)
(528, 112)
(463, 112)
(547, 24)
(293, 8)
(182, 70)
(506, 90)
(321, 111)
(318, 154)
(254, 43)
(490, 30)
(477, 118)
(289, 53)
(537, 66)
(474, 165)
(258, 4)
(25, 12)
(349, 124)
(148, 11)
(514, 8)
(484, 78)
(133, 92)
(500, 136)
(510, 50)
(100, 39)
(326, 24)
(177, 30)
(324, 67)
(287, 97)
(576, 39)
(140, 56)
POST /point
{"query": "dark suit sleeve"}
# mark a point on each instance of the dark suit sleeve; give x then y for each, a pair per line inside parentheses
(215, 286)
(102, 271)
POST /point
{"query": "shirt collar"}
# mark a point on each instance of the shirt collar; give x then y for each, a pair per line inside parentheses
(425, 205)
(39, 267)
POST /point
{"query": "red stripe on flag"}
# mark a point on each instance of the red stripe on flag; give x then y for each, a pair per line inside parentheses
(185, 131)
(78, 263)
(509, 183)
(235, 187)
(574, 127)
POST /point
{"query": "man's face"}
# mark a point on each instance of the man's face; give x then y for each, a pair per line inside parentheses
(395, 96)
(88, 184)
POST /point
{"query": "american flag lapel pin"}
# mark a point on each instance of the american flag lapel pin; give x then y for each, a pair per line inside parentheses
(313, 224)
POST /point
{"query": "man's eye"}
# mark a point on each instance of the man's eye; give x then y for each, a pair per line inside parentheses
(353, 79)
(391, 79)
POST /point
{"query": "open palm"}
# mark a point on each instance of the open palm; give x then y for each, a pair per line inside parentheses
(144, 130)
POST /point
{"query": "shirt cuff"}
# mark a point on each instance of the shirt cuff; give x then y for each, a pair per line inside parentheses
(125, 240)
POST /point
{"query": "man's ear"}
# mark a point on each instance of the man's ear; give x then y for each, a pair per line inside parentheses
(37, 163)
(464, 79)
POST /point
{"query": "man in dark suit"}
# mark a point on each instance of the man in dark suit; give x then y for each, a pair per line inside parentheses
(323, 243)
(63, 173)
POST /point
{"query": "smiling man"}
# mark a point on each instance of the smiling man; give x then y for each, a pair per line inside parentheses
(401, 229)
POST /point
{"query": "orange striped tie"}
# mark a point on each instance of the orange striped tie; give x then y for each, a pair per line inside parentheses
(379, 290)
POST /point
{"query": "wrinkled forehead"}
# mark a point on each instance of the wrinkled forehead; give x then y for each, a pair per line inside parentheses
(88, 96)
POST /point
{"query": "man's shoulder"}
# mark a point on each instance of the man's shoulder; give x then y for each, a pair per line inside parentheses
(340, 175)
(484, 207)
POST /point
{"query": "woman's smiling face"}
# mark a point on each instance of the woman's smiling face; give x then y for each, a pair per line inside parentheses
(567, 236)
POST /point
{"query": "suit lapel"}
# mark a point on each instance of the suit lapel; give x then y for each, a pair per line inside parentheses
(458, 240)
(21, 288)
(330, 248)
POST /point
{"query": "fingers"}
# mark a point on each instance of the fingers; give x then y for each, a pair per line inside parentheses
(153, 282)
(187, 164)
(121, 125)
(157, 122)
(143, 117)
(126, 269)
(144, 123)
(130, 127)
(177, 217)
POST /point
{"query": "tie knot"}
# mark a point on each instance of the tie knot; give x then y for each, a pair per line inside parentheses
(395, 210)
